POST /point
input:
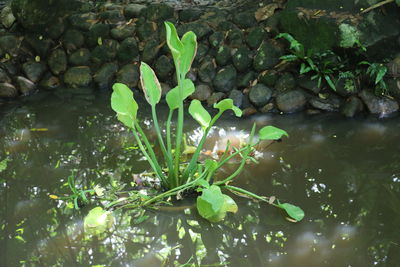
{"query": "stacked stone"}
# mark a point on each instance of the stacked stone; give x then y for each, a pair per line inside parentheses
(237, 57)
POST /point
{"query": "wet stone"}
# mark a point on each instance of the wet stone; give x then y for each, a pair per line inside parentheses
(237, 97)
(112, 16)
(80, 57)
(33, 70)
(128, 50)
(291, 101)
(25, 86)
(255, 37)
(267, 56)
(73, 39)
(78, 76)
(40, 45)
(105, 75)
(381, 106)
(165, 88)
(215, 98)
(158, 12)
(202, 92)
(49, 81)
(311, 85)
(223, 56)
(202, 51)
(123, 31)
(189, 14)
(216, 39)
(96, 33)
(200, 29)
(242, 59)
(105, 53)
(150, 51)
(331, 103)
(235, 38)
(286, 82)
(260, 95)
(9, 44)
(225, 80)
(245, 20)
(267, 108)
(164, 67)
(83, 21)
(146, 31)
(4, 78)
(56, 29)
(207, 72)
(57, 61)
(133, 10)
(245, 79)
(128, 75)
(268, 77)
(352, 106)
(8, 90)
(6, 16)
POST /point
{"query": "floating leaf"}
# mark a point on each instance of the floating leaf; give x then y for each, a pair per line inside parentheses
(188, 53)
(172, 97)
(271, 133)
(213, 205)
(202, 183)
(226, 104)
(53, 196)
(123, 103)
(265, 12)
(293, 211)
(3, 164)
(150, 84)
(97, 221)
(199, 113)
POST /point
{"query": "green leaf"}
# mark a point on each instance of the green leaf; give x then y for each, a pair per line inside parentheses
(150, 84)
(97, 221)
(172, 97)
(3, 164)
(271, 133)
(199, 113)
(289, 57)
(293, 211)
(381, 72)
(330, 83)
(173, 41)
(210, 165)
(213, 205)
(188, 53)
(202, 183)
(123, 103)
(228, 104)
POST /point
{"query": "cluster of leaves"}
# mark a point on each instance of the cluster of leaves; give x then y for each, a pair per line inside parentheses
(330, 67)
(174, 174)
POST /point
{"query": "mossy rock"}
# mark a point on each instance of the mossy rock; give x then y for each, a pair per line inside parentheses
(128, 50)
(158, 12)
(73, 39)
(164, 67)
(33, 70)
(129, 75)
(150, 51)
(223, 55)
(242, 58)
(97, 33)
(105, 75)
(57, 61)
(225, 80)
(80, 57)
(267, 55)
(105, 52)
(78, 76)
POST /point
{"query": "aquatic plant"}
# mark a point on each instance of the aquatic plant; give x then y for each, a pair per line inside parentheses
(377, 72)
(176, 175)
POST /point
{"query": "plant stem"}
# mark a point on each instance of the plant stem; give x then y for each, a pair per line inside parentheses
(151, 157)
(245, 192)
(179, 129)
(166, 155)
(168, 129)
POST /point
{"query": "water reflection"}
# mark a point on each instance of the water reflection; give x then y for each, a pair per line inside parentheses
(345, 175)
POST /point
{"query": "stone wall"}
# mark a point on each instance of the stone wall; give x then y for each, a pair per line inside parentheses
(238, 56)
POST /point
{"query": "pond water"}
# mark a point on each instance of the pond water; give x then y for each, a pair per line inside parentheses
(344, 173)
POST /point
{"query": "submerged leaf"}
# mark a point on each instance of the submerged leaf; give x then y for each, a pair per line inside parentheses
(97, 221)
(213, 205)
(293, 211)
(226, 104)
(271, 133)
(199, 113)
(150, 84)
(123, 103)
(172, 97)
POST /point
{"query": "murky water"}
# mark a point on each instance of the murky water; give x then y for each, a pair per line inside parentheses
(343, 173)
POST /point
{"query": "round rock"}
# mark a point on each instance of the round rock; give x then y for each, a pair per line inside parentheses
(225, 80)
(78, 76)
(8, 90)
(129, 75)
(57, 61)
(260, 95)
(105, 75)
(202, 92)
(25, 86)
(291, 101)
(80, 57)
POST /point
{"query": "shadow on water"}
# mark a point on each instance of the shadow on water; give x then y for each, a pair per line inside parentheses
(343, 173)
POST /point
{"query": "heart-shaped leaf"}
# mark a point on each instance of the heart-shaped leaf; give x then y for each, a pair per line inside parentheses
(123, 103)
(213, 205)
(293, 211)
(188, 53)
(150, 84)
(173, 41)
(226, 104)
(199, 113)
(97, 221)
(172, 97)
(271, 133)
